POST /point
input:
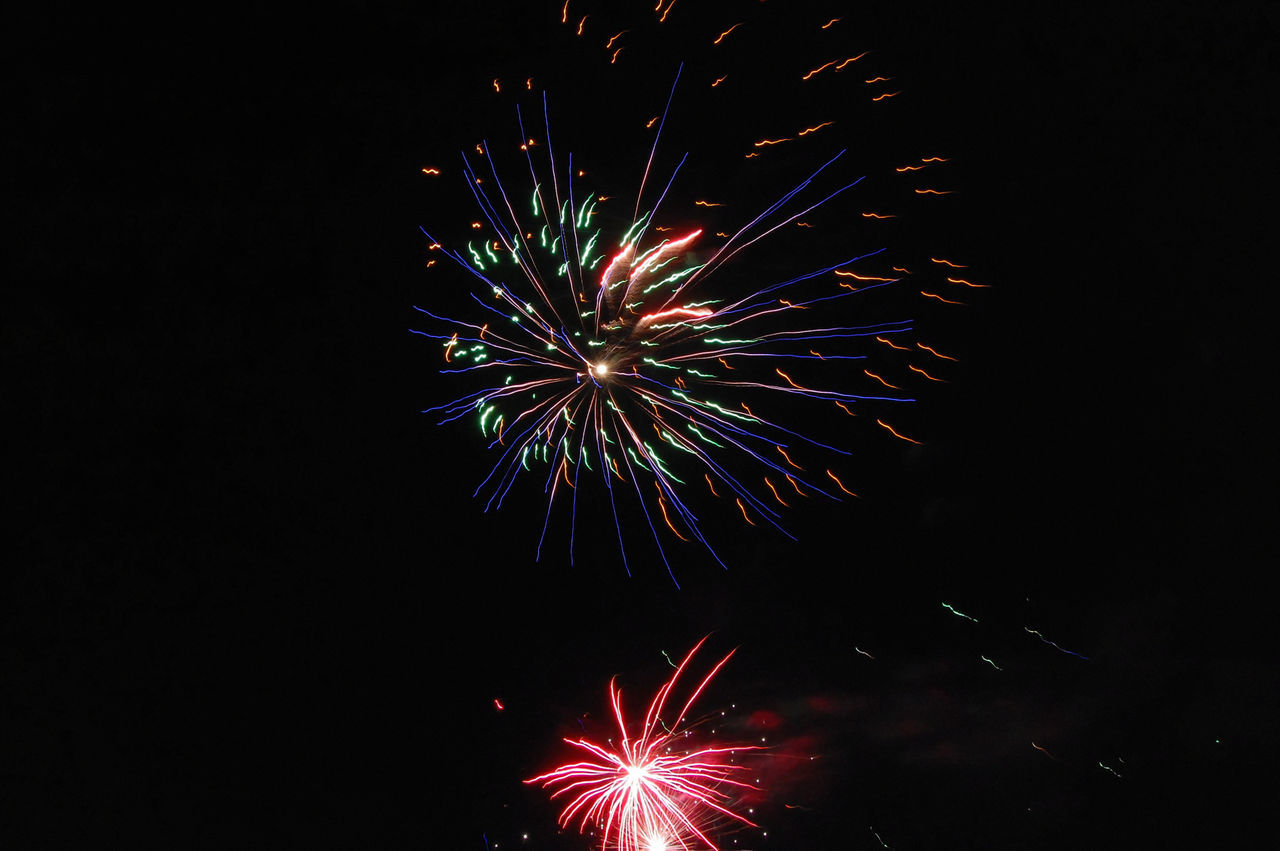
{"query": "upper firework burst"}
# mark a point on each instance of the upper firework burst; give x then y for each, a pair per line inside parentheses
(639, 344)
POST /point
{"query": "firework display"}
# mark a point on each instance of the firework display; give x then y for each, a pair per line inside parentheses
(684, 330)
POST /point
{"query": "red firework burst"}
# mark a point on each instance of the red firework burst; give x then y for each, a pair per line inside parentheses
(652, 792)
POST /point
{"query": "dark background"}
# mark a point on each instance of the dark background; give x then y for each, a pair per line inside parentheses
(251, 601)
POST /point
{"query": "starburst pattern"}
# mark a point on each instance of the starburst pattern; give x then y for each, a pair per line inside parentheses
(670, 365)
(652, 790)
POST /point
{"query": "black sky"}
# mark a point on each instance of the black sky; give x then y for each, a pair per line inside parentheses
(252, 602)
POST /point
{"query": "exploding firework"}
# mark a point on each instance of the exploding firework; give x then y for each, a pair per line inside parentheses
(652, 790)
(636, 348)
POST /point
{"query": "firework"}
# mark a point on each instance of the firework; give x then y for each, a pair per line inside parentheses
(651, 789)
(632, 359)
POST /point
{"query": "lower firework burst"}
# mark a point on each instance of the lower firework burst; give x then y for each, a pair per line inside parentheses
(651, 791)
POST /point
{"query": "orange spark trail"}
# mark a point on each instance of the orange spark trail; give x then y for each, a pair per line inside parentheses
(936, 353)
(858, 277)
(925, 374)
(816, 70)
(784, 454)
(893, 345)
(881, 380)
(883, 424)
(720, 37)
(812, 129)
(940, 298)
(662, 503)
(788, 378)
(841, 484)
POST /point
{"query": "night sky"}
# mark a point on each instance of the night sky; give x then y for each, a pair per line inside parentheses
(252, 601)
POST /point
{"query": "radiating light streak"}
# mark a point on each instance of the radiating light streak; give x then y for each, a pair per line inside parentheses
(720, 37)
(815, 128)
(958, 613)
(1055, 646)
(784, 454)
(886, 384)
(839, 483)
(940, 298)
(857, 277)
(893, 345)
(925, 374)
(935, 352)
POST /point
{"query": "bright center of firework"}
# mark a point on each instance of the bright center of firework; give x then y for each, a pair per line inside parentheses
(656, 843)
(600, 370)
